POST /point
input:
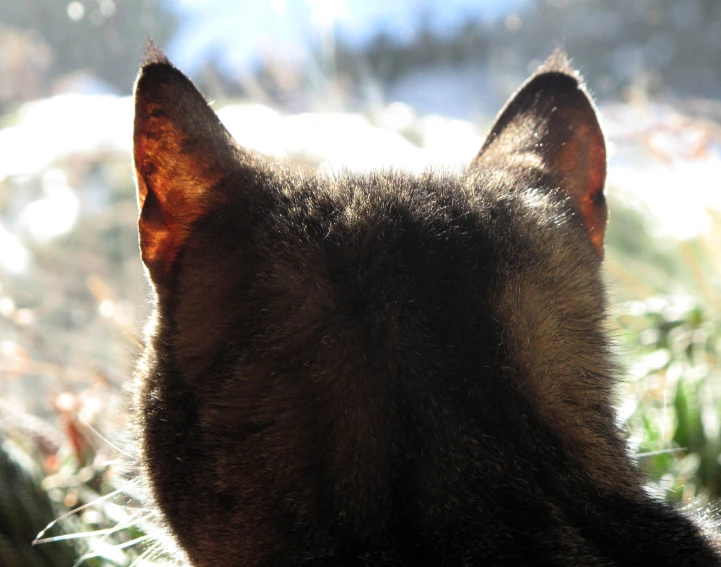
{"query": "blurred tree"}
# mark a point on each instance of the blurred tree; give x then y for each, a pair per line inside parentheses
(651, 47)
(25, 60)
(106, 37)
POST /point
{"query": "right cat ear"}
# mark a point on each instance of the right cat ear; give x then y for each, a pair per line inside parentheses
(551, 124)
(181, 151)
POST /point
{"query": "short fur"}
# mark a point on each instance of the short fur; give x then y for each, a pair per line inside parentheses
(386, 369)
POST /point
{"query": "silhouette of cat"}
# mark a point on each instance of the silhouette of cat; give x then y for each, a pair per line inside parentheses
(387, 369)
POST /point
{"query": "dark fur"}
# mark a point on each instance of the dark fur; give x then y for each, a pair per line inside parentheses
(386, 369)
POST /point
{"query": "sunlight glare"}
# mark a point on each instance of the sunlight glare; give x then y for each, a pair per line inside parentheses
(13, 255)
(56, 213)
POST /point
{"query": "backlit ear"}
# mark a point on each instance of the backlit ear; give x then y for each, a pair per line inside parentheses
(181, 151)
(551, 124)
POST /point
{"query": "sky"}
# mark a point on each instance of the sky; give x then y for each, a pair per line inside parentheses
(234, 33)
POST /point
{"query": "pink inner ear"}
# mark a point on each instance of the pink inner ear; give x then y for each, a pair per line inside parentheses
(168, 208)
(582, 162)
(594, 213)
(177, 164)
(158, 242)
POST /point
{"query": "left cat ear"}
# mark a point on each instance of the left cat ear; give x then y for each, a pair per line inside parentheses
(180, 151)
(551, 124)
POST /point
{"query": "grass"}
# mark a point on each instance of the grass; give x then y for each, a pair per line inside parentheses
(669, 339)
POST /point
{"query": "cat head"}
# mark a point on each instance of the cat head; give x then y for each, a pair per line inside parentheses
(184, 157)
(330, 354)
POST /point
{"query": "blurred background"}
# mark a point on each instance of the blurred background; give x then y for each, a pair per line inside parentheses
(335, 83)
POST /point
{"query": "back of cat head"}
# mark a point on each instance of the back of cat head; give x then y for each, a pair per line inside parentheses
(374, 369)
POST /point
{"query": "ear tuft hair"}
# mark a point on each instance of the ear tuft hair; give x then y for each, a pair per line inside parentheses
(559, 62)
(153, 54)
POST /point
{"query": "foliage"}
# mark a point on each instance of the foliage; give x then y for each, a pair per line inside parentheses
(670, 343)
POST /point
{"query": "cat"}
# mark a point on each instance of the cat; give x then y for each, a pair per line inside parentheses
(387, 369)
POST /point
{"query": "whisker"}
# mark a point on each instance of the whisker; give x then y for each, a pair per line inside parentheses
(101, 436)
(79, 535)
(662, 452)
(127, 544)
(147, 554)
(75, 510)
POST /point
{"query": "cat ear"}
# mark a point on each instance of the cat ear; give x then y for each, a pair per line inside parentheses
(551, 123)
(181, 151)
